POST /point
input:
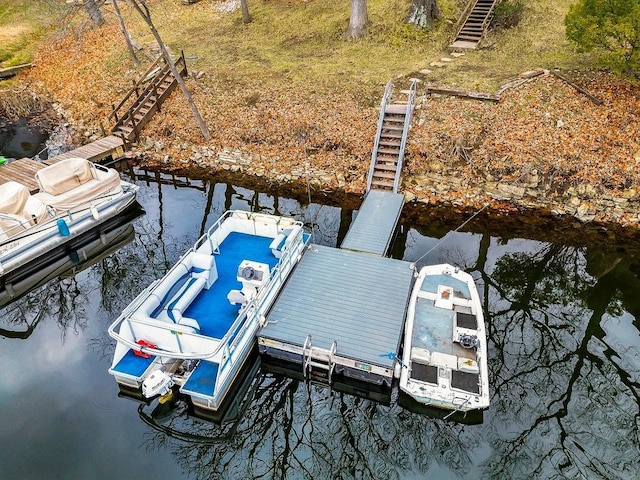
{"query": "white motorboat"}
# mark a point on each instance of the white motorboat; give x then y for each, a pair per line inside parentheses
(195, 327)
(74, 196)
(444, 359)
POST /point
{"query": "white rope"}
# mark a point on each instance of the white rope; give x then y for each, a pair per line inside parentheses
(444, 238)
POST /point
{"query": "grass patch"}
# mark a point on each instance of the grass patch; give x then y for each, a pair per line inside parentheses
(23, 24)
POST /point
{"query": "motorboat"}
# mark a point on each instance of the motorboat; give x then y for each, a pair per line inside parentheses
(444, 357)
(194, 328)
(74, 196)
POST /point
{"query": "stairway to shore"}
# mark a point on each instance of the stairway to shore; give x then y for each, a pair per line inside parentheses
(391, 140)
(145, 98)
(476, 16)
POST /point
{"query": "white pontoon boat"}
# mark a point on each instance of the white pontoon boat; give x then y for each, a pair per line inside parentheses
(74, 196)
(195, 327)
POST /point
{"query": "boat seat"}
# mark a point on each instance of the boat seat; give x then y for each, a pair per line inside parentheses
(74, 181)
(277, 245)
(421, 355)
(19, 209)
(468, 365)
(236, 297)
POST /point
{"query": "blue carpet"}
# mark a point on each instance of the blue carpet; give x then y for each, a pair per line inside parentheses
(133, 364)
(203, 379)
(211, 308)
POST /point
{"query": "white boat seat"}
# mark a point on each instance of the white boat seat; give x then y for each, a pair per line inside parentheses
(468, 365)
(444, 360)
(420, 355)
(236, 297)
(277, 245)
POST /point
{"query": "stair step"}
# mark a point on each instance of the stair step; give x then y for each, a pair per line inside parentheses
(398, 109)
(379, 174)
(390, 135)
(468, 37)
(389, 151)
(382, 183)
(387, 167)
(390, 143)
(392, 126)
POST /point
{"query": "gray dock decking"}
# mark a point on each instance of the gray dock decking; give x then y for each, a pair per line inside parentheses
(375, 224)
(359, 301)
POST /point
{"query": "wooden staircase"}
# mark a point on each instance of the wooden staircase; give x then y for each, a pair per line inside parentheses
(391, 140)
(145, 98)
(476, 16)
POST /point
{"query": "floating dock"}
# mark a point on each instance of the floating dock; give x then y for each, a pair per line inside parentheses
(375, 224)
(341, 312)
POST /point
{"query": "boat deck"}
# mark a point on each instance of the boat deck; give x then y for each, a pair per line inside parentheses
(233, 251)
(359, 301)
(433, 330)
(373, 228)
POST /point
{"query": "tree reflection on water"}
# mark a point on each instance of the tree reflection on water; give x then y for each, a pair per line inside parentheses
(564, 360)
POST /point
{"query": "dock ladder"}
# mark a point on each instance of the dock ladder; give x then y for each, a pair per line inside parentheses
(391, 140)
(474, 21)
(144, 98)
(318, 363)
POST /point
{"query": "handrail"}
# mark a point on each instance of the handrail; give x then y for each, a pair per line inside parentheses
(388, 89)
(405, 133)
(134, 88)
(464, 16)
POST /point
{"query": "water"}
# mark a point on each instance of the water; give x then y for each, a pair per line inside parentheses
(564, 360)
(22, 138)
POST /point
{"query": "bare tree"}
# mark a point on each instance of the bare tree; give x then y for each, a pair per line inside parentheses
(127, 39)
(246, 18)
(146, 15)
(358, 20)
(94, 12)
(423, 13)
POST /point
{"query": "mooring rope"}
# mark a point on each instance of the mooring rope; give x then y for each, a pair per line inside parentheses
(444, 238)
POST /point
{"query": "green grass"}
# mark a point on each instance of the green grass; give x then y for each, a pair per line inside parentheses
(23, 24)
(301, 42)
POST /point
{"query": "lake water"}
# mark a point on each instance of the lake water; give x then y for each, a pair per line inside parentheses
(564, 360)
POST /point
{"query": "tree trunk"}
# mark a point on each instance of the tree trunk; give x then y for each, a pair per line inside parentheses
(123, 27)
(358, 20)
(246, 18)
(423, 13)
(94, 12)
(146, 15)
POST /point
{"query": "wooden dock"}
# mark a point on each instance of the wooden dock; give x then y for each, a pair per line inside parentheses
(23, 170)
(107, 147)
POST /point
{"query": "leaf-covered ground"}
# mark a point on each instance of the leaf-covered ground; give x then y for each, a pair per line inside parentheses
(543, 129)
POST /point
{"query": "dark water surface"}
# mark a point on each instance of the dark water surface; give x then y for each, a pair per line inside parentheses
(564, 359)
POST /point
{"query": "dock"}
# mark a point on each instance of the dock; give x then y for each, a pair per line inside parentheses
(23, 170)
(340, 316)
(340, 313)
(375, 224)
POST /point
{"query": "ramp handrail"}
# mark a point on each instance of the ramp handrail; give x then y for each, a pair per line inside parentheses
(405, 133)
(386, 96)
